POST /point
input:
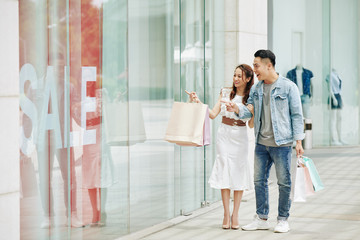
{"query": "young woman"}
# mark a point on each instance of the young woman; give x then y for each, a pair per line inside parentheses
(231, 170)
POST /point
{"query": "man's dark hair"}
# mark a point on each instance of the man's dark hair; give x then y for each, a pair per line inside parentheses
(266, 54)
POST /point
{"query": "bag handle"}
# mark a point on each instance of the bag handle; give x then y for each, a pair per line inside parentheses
(300, 162)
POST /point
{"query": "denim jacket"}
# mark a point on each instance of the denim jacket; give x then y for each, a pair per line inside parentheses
(286, 110)
(306, 79)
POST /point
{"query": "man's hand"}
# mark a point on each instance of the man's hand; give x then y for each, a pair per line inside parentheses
(231, 107)
(251, 108)
(299, 149)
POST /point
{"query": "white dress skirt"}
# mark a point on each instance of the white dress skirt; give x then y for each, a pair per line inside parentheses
(231, 168)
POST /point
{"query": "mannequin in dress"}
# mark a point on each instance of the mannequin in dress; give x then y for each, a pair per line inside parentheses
(336, 105)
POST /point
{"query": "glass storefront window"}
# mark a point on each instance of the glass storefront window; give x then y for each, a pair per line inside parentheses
(97, 83)
(321, 37)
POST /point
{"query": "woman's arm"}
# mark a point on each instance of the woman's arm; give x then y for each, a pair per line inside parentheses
(212, 112)
(216, 109)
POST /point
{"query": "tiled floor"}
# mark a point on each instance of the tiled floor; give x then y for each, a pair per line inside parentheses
(331, 214)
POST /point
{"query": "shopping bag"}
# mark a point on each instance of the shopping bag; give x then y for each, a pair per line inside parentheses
(187, 124)
(314, 175)
(300, 182)
(299, 188)
(123, 123)
(309, 188)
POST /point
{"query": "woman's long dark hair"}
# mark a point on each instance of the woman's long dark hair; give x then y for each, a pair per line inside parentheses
(249, 73)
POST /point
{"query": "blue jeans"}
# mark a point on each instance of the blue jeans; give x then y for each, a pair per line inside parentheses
(264, 158)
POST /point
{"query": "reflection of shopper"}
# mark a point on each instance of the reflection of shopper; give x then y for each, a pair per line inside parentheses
(278, 122)
(47, 151)
(231, 169)
(302, 78)
(97, 166)
(28, 182)
(336, 105)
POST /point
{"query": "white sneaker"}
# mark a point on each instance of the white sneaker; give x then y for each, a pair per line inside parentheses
(257, 224)
(282, 226)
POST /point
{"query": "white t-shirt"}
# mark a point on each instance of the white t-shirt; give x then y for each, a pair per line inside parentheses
(299, 81)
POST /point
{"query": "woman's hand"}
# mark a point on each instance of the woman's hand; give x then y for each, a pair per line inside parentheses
(193, 97)
(231, 107)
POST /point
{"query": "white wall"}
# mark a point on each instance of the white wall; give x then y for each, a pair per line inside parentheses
(9, 121)
(288, 17)
(245, 33)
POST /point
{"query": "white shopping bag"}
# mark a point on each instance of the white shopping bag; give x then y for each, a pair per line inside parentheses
(299, 188)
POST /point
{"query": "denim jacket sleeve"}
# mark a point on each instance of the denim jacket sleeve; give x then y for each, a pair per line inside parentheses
(244, 113)
(296, 113)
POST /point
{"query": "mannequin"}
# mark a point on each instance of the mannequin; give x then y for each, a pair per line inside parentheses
(302, 78)
(335, 102)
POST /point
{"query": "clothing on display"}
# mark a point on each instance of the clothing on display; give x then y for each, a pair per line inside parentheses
(306, 79)
(304, 86)
(335, 88)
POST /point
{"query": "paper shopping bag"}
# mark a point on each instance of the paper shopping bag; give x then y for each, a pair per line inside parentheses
(299, 188)
(309, 188)
(186, 124)
(314, 175)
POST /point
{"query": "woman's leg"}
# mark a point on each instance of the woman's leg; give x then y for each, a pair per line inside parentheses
(234, 218)
(225, 195)
(93, 199)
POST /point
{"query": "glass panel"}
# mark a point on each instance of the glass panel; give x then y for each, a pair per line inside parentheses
(343, 78)
(192, 79)
(47, 163)
(151, 76)
(115, 151)
(323, 113)
(214, 60)
(73, 172)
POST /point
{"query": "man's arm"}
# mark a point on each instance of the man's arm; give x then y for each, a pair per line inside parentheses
(243, 112)
(296, 118)
(239, 109)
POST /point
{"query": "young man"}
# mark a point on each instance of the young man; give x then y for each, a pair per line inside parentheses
(278, 121)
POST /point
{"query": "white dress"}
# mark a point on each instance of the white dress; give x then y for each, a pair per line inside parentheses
(231, 169)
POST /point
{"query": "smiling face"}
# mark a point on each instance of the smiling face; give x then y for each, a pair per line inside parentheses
(262, 68)
(239, 78)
